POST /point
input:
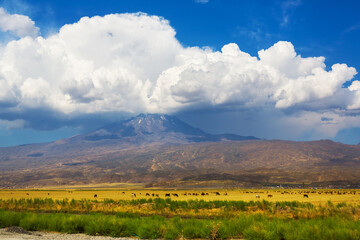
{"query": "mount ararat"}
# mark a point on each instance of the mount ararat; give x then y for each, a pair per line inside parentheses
(162, 150)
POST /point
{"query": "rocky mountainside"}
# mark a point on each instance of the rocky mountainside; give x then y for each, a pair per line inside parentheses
(162, 150)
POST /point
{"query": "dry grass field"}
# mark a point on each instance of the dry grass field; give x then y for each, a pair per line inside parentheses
(186, 213)
(320, 196)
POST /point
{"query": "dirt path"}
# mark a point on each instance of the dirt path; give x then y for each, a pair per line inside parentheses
(18, 235)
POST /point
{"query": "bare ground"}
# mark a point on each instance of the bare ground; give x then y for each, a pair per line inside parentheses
(36, 235)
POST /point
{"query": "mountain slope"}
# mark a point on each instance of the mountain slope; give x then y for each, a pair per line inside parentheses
(142, 131)
(159, 149)
(157, 127)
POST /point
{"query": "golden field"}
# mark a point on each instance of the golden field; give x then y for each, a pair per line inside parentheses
(320, 196)
(221, 213)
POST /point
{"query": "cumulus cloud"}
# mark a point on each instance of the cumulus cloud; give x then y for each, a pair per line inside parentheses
(133, 63)
(18, 25)
(279, 77)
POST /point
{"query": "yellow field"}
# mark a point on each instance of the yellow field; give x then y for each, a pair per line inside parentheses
(314, 196)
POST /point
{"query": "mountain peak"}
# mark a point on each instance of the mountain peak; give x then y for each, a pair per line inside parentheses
(156, 123)
(152, 127)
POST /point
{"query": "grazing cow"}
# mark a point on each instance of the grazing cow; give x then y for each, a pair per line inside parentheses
(133, 194)
(217, 193)
(95, 195)
(167, 194)
(175, 195)
(153, 194)
(48, 194)
(257, 196)
(156, 195)
(269, 195)
(305, 195)
(27, 194)
(147, 194)
(202, 194)
(225, 194)
(123, 192)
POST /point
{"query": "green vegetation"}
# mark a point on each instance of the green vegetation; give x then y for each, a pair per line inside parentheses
(255, 226)
(169, 219)
(188, 209)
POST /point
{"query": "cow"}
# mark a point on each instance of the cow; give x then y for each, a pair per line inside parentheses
(167, 194)
(147, 194)
(95, 195)
(257, 196)
(156, 195)
(175, 195)
(270, 196)
(123, 192)
(202, 194)
(217, 193)
(153, 194)
(306, 196)
(133, 194)
(27, 194)
(225, 194)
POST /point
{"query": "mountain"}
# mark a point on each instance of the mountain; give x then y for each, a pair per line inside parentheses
(162, 150)
(150, 128)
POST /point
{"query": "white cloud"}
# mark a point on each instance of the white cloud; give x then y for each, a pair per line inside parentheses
(355, 89)
(280, 77)
(288, 7)
(201, 1)
(134, 63)
(19, 25)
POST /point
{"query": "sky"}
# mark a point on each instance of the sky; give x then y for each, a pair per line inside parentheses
(266, 68)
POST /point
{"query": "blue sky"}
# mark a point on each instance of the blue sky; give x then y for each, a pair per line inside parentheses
(218, 94)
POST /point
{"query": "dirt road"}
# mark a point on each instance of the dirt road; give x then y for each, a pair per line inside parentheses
(19, 234)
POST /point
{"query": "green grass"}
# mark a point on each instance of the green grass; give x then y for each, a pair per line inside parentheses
(255, 226)
(154, 218)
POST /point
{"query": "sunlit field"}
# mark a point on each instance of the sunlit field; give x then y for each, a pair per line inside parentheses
(321, 196)
(187, 214)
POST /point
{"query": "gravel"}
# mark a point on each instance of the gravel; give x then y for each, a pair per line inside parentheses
(17, 233)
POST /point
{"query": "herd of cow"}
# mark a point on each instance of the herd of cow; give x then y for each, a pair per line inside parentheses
(174, 194)
(304, 193)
